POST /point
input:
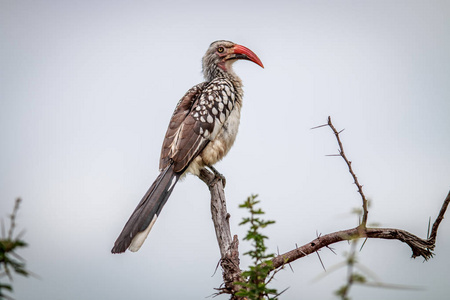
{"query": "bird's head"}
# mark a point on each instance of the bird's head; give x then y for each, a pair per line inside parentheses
(220, 56)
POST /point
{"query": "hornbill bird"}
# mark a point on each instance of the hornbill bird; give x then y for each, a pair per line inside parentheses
(201, 131)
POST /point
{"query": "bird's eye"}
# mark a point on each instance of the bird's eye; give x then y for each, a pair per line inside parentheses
(220, 49)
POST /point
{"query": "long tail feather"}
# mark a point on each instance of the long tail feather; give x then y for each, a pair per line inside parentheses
(144, 216)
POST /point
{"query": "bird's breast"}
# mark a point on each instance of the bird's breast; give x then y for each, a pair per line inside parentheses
(219, 147)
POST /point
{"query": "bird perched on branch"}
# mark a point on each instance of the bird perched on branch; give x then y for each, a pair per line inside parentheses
(201, 131)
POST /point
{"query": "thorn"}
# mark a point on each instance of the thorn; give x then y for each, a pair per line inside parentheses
(321, 261)
(291, 267)
(280, 292)
(296, 248)
(341, 131)
(331, 249)
(319, 126)
(333, 155)
(363, 245)
(217, 266)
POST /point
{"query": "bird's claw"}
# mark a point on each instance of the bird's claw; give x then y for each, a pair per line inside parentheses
(218, 176)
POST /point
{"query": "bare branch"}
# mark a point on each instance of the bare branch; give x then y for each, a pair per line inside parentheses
(419, 247)
(350, 169)
(219, 211)
(228, 246)
(439, 219)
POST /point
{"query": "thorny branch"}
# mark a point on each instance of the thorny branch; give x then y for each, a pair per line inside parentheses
(229, 246)
(419, 247)
(350, 169)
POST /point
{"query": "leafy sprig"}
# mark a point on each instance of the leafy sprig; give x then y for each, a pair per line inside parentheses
(9, 259)
(256, 278)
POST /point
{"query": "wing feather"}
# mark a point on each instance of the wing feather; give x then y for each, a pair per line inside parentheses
(180, 136)
(196, 121)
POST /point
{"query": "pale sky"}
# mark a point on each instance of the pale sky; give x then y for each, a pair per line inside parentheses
(86, 92)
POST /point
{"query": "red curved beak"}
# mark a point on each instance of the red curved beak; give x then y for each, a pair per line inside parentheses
(242, 52)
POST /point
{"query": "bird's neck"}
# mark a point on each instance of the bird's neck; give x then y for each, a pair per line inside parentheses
(227, 73)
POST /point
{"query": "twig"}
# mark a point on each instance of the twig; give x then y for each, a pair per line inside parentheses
(13, 219)
(350, 169)
(439, 219)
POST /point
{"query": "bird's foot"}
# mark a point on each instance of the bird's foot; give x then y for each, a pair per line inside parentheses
(218, 175)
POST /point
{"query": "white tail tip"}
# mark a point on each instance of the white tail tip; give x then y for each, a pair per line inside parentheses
(139, 239)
